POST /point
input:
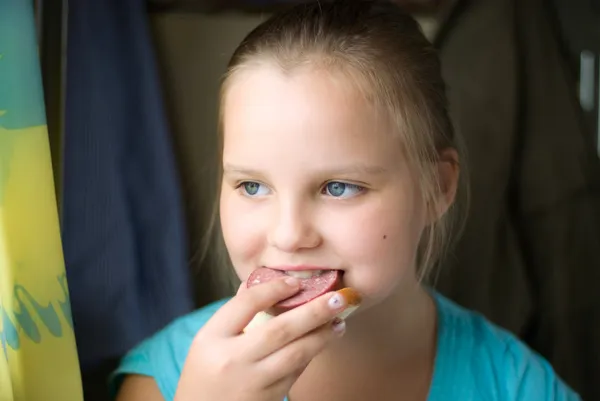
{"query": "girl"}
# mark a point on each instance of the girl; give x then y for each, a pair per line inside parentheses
(337, 155)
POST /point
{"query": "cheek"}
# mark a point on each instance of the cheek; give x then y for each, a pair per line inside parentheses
(379, 245)
(242, 231)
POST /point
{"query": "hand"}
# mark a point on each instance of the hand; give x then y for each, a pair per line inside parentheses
(263, 364)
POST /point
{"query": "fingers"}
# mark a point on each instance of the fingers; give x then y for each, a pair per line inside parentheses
(295, 357)
(232, 317)
(293, 324)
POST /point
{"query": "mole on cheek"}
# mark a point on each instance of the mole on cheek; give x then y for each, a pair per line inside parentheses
(385, 236)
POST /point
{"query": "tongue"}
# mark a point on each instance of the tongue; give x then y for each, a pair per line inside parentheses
(310, 288)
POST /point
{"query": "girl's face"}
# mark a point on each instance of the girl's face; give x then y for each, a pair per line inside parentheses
(314, 176)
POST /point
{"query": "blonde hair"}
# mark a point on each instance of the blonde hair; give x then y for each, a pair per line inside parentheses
(395, 67)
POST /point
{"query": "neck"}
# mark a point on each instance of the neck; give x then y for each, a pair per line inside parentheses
(401, 328)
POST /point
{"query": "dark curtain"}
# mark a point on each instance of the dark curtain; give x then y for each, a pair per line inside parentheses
(529, 258)
(123, 226)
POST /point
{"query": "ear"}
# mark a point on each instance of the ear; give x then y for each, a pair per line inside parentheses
(448, 175)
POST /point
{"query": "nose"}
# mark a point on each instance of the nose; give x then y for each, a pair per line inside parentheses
(292, 228)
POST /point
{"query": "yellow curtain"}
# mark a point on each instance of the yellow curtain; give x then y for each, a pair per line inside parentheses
(38, 357)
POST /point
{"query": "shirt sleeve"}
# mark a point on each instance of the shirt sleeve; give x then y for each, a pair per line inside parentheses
(163, 355)
(531, 377)
(143, 360)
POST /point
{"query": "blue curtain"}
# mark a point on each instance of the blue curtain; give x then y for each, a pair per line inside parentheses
(123, 225)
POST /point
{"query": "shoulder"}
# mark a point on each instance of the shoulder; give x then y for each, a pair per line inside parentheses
(495, 363)
(163, 355)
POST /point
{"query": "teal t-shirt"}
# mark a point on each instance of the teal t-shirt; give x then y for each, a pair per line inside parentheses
(475, 360)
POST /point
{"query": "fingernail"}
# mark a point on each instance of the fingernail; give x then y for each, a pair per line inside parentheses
(292, 281)
(336, 301)
(339, 326)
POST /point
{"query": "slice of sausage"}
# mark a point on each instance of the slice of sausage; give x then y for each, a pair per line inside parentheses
(310, 288)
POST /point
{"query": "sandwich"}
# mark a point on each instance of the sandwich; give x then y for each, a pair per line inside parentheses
(313, 283)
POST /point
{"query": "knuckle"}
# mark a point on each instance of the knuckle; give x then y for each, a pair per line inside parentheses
(296, 357)
(280, 289)
(223, 364)
(321, 311)
(316, 313)
(220, 358)
(266, 295)
(266, 292)
(279, 334)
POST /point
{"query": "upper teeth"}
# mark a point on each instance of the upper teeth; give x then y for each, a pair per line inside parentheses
(304, 273)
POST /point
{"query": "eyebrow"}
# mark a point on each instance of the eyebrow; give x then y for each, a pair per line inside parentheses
(344, 170)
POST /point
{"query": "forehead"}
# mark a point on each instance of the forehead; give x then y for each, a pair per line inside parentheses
(311, 112)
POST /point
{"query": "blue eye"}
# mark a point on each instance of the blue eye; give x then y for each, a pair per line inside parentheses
(251, 188)
(342, 190)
